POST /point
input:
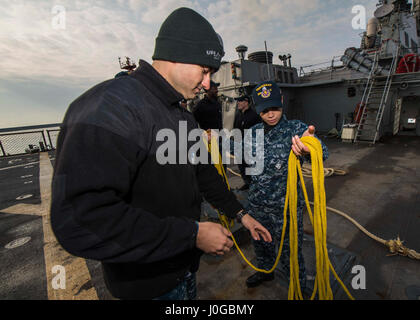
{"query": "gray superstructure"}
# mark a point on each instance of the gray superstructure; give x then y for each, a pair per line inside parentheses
(367, 76)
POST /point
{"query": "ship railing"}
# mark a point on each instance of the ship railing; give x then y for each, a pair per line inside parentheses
(326, 65)
(386, 92)
(22, 140)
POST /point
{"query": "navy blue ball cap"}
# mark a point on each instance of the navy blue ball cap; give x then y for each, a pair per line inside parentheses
(266, 95)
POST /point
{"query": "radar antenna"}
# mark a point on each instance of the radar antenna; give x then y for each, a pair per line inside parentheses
(128, 65)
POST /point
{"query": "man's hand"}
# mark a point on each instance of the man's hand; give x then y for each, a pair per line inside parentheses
(213, 238)
(256, 228)
(298, 148)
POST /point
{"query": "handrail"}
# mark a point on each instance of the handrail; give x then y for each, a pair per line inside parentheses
(363, 103)
(384, 99)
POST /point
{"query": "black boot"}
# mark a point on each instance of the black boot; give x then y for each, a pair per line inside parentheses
(257, 278)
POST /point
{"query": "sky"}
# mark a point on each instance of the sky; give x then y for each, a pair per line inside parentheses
(53, 51)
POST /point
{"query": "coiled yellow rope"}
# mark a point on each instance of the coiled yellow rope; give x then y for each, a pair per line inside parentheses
(318, 220)
(213, 149)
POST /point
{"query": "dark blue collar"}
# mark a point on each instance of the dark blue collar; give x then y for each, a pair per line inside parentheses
(153, 80)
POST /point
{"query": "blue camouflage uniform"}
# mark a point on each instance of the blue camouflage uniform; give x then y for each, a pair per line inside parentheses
(268, 191)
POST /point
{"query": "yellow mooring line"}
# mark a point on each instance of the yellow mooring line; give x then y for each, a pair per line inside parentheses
(322, 288)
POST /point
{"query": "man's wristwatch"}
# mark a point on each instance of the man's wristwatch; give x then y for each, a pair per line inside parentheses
(240, 215)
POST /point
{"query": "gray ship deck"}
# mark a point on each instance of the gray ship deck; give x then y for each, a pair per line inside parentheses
(380, 191)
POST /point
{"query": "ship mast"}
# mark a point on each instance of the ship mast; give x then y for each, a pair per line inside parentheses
(127, 65)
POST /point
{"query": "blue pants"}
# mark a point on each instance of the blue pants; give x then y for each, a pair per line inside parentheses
(186, 290)
(267, 252)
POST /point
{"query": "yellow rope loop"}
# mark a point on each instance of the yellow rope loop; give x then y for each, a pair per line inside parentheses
(318, 219)
(322, 286)
(212, 148)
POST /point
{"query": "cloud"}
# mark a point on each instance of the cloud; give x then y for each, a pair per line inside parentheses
(310, 30)
(98, 32)
(88, 47)
(252, 22)
(160, 9)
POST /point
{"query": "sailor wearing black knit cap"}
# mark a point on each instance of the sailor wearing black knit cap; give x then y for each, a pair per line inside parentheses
(113, 200)
(245, 118)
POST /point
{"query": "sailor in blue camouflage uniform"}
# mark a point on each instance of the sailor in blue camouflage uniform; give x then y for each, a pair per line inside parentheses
(268, 188)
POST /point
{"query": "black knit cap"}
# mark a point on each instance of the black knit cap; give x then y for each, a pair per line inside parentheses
(187, 37)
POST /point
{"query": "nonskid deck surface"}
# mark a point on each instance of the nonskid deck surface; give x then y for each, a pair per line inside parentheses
(380, 191)
(21, 237)
(19, 180)
(29, 251)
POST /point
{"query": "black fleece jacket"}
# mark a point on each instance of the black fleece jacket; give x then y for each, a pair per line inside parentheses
(111, 199)
(208, 114)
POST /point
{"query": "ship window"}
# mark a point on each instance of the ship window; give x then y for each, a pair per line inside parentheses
(351, 92)
(291, 78)
(280, 76)
(286, 77)
(407, 40)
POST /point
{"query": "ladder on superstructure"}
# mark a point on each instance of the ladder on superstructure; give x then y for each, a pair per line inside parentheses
(374, 101)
